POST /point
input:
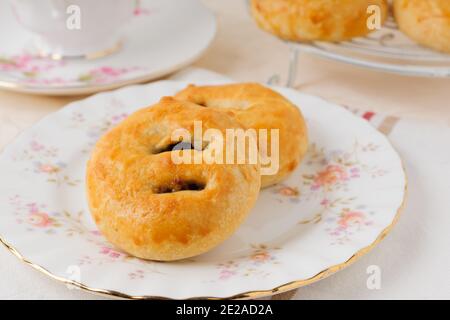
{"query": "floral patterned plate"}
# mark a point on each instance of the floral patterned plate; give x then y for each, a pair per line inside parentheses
(341, 202)
(145, 54)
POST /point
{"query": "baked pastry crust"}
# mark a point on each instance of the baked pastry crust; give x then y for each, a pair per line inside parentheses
(258, 107)
(426, 22)
(155, 209)
(311, 20)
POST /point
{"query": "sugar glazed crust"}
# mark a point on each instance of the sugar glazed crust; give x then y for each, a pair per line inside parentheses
(259, 107)
(155, 209)
(426, 22)
(315, 20)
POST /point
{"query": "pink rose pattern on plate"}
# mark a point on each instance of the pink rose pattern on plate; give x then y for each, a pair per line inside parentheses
(113, 116)
(34, 70)
(37, 217)
(328, 173)
(251, 264)
(105, 75)
(45, 161)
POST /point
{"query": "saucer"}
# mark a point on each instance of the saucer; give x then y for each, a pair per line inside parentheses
(163, 36)
(338, 205)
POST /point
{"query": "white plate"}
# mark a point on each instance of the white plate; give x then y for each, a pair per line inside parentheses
(341, 202)
(165, 35)
(385, 50)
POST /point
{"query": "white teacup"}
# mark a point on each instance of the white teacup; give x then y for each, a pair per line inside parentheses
(74, 28)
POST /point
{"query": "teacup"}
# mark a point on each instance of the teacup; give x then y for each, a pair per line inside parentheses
(74, 28)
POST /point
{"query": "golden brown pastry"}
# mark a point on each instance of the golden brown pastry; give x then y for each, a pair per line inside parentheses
(426, 22)
(310, 20)
(153, 208)
(258, 107)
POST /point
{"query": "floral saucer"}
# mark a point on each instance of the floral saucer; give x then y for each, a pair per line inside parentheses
(164, 36)
(338, 205)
